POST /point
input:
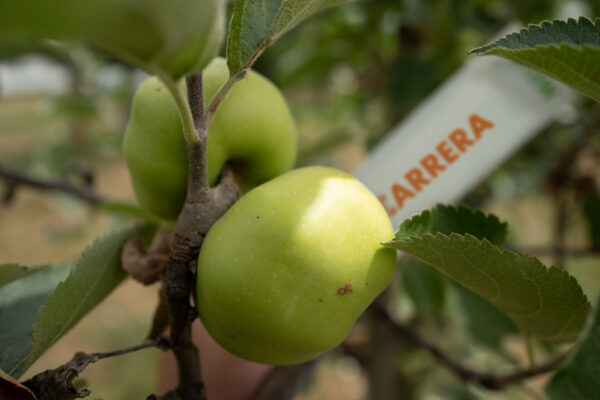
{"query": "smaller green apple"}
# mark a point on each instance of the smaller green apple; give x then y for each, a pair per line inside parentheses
(285, 273)
(253, 130)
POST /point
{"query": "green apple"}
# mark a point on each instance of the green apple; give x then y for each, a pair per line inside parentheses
(176, 37)
(253, 130)
(285, 273)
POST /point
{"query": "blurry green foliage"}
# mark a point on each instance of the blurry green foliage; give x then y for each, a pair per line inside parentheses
(426, 288)
(382, 57)
(591, 211)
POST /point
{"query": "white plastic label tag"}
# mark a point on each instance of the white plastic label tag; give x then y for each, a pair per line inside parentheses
(483, 114)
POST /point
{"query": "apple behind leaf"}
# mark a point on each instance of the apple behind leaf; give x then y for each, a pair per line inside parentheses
(285, 273)
(253, 129)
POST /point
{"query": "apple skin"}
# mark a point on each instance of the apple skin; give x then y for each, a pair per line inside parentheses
(285, 273)
(253, 129)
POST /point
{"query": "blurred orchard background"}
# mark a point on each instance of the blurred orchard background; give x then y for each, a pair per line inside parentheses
(350, 74)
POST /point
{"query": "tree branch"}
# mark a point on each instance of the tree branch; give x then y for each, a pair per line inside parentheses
(57, 384)
(198, 162)
(489, 381)
(201, 210)
(15, 178)
(203, 207)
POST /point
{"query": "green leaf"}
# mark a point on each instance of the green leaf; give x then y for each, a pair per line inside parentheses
(20, 302)
(11, 272)
(97, 272)
(165, 37)
(482, 319)
(456, 219)
(485, 323)
(579, 379)
(256, 24)
(426, 287)
(568, 51)
(544, 302)
(131, 210)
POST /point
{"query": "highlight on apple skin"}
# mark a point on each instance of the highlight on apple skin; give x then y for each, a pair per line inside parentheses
(285, 273)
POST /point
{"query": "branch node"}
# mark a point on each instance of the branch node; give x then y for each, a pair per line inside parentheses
(57, 384)
(15, 178)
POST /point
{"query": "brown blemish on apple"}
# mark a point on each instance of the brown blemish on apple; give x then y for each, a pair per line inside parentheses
(346, 289)
(320, 300)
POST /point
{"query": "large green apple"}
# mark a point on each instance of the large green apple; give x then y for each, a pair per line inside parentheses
(285, 273)
(253, 129)
(176, 37)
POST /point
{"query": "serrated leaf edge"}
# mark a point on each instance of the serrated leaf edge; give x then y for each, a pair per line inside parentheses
(29, 269)
(499, 44)
(535, 262)
(273, 36)
(486, 218)
(29, 357)
(591, 325)
(501, 50)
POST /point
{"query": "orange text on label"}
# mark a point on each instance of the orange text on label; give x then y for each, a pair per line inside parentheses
(432, 164)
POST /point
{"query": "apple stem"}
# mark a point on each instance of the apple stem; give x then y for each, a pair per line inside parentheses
(221, 95)
(238, 75)
(185, 112)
